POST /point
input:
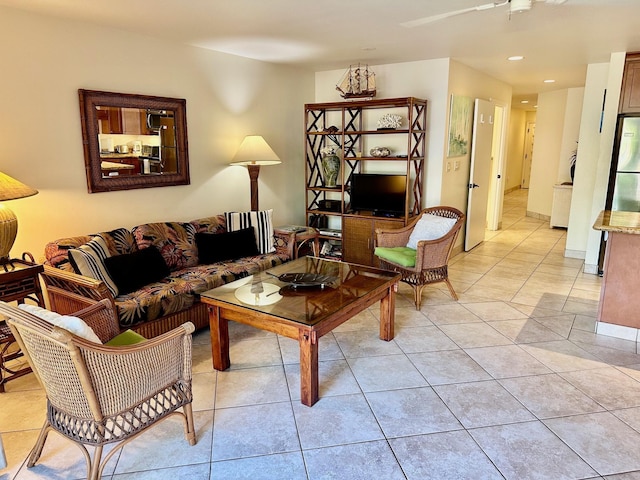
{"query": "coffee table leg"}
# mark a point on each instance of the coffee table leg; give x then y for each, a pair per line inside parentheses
(219, 329)
(308, 367)
(387, 314)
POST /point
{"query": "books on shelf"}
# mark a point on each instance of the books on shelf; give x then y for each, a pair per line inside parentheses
(331, 250)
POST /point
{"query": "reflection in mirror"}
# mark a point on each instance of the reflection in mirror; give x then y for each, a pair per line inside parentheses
(133, 141)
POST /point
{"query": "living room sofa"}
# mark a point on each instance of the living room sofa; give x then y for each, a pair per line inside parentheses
(162, 303)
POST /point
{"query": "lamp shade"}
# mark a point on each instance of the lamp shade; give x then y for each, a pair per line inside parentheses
(254, 150)
(12, 189)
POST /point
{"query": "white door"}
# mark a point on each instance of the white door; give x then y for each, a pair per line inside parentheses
(529, 138)
(480, 173)
(496, 190)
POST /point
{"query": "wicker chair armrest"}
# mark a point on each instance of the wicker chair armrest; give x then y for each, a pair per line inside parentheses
(124, 375)
(393, 238)
(72, 282)
(101, 317)
(69, 292)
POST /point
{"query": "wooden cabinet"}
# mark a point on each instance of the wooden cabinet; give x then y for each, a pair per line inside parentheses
(128, 121)
(354, 128)
(358, 237)
(630, 95)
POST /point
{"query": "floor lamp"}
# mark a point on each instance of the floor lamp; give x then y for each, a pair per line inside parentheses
(254, 152)
(10, 189)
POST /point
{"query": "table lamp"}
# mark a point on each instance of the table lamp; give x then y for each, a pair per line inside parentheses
(253, 152)
(10, 189)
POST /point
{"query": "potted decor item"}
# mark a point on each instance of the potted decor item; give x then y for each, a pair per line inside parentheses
(330, 165)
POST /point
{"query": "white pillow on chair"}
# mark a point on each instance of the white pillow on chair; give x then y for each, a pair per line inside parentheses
(430, 227)
(75, 325)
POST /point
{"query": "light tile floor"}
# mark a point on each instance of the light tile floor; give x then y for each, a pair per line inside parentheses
(509, 382)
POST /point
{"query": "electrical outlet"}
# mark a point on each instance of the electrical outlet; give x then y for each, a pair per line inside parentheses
(448, 166)
(456, 165)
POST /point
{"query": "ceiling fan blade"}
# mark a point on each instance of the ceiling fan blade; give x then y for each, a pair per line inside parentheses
(442, 16)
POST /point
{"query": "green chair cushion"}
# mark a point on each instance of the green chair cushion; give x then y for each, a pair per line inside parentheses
(128, 337)
(404, 256)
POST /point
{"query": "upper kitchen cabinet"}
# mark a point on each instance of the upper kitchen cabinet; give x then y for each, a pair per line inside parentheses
(128, 121)
(630, 95)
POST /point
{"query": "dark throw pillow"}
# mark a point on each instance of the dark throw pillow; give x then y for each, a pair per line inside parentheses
(218, 247)
(132, 271)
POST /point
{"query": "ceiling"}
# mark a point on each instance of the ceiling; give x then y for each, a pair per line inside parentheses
(557, 41)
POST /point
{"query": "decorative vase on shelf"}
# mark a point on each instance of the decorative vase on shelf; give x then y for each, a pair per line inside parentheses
(330, 169)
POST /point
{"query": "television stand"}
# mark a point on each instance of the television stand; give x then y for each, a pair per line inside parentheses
(387, 214)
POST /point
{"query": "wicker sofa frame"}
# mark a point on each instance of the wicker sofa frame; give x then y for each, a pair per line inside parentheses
(69, 292)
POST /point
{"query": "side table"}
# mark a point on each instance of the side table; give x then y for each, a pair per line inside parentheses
(294, 238)
(18, 281)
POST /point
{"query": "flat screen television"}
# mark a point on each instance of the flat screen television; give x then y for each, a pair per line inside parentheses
(382, 194)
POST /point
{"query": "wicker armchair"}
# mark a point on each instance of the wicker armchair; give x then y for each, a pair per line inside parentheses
(432, 256)
(98, 394)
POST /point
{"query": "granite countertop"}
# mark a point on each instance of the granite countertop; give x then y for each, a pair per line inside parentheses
(104, 165)
(618, 222)
(119, 155)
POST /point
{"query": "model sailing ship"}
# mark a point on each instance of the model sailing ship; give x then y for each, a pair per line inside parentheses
(358, 82)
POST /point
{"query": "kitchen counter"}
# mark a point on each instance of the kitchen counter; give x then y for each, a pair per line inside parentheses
(104, 165)
(619, 307)
(119, 155)
(619, 222)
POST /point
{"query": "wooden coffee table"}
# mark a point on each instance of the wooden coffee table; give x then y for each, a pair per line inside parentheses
(305, 313)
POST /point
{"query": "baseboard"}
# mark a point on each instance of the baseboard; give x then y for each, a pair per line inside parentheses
(581, 254)
(592, 269)
(539, 216)
(512, 189)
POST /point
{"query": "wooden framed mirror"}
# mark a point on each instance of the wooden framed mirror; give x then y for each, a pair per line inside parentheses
(133, 141)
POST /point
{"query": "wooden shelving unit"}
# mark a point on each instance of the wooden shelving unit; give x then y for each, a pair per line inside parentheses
(356, 135)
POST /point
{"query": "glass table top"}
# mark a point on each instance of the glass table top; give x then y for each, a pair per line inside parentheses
(306, 290)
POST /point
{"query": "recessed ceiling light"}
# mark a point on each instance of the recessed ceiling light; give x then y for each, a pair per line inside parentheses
(524, 101)
(515, 58)
(549, 81)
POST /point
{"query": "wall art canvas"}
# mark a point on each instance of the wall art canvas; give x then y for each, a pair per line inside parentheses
(460, 119)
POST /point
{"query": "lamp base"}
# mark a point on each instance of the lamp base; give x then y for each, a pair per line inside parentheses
(8, 232)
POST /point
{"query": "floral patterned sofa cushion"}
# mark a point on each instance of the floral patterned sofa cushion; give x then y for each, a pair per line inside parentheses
(179, 290)
(175, 241)
(215, 224)
(119, 241)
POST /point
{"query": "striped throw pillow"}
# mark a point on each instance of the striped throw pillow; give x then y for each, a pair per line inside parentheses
(88, 260)
(262, 223)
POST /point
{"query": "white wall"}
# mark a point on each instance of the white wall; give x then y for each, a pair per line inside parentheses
(44, 63)
(426, 79)
(468, 82)
(580, 221)
(546, 152)
(605, 151)
(435, 81)
(557, 127)
(515, 149)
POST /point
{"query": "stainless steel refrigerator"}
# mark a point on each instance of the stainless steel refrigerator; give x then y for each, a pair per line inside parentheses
(624, 179)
